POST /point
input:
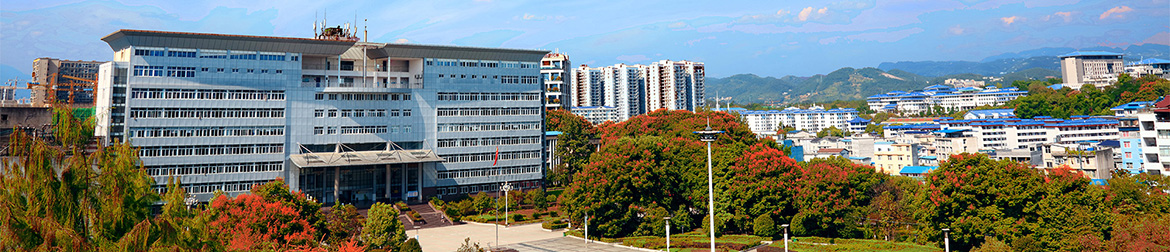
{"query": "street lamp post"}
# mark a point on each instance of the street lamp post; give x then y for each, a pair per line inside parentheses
(785, 227)
(507, 187)
(947, 239)
(708, 135)
(667, 233)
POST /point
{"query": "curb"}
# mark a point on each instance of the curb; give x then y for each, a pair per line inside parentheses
(615, 245)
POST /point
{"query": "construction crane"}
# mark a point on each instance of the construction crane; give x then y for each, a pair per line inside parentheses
(54, 86)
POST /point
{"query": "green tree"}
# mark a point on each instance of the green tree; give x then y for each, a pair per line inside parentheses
(382, 228)
(875, 129)
(538, 199)
(410, 245)
(573, 147)
(344, 223)
(832, 131)
(56, 197)
(764, 226)
(482, 202)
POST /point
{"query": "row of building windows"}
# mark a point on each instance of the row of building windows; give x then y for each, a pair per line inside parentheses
(489, 187)
(324, 113)
(489, 96)
(363, 97)
(214, 54)
(206, 113)
(519, 79)
(205, 150)
(158, 71)
(236, 186)
(481, 63)
(247, 70)
(475, 127)
(490, 156)
(488, 172)
(207, 131)
(488, 141)
(487, 111)
(206, 94)
(353, 130)
(206, 169)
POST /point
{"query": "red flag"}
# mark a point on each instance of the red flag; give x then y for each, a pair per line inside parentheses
(497, 156)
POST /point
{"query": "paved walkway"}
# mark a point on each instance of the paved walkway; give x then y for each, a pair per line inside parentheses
(566, 244)
(449, 238)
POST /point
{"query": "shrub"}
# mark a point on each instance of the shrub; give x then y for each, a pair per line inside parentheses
(516, 217)
(382, 228)
(535, 215)
(763, 226)
(554, 225)
(410, 246)
(554, 214)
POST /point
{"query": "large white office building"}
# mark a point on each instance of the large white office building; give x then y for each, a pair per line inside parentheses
(341, 120)
(1094, 68)
(637, 89)
(942, 96)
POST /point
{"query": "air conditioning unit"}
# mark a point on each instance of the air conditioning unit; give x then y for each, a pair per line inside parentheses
(418, 76)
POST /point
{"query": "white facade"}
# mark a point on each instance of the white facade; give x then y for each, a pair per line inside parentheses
(1095, 68)
(555, 69)
(597, 114)
(766, 123)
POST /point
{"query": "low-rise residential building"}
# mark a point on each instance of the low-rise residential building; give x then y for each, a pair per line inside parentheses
(1155, 137)
(1129, 139)
(597, 114)
(831, 152)
(891, 157)
(916, 171)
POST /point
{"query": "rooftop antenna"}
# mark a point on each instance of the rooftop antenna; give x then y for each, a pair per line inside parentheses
(365, 29)
(314, 24)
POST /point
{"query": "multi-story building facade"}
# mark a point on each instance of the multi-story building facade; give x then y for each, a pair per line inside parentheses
(967, 98)
(1155, 137)
(1095, 68)
(554, 70)
(342, 121)
(767, 122)
(1151, 66)
(65, 79)
(637, 89)
(891, 157)
(1129, 134)
(598, 114)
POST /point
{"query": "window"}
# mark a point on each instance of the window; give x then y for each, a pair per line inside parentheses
(182, 72)
(243, 55)
(148, 52)
(319, 113)
(204, 69)
(181, 54)
(219, 70)
(151, 71)
(332, 113)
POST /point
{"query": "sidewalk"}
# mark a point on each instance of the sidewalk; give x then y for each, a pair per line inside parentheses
(449, 238)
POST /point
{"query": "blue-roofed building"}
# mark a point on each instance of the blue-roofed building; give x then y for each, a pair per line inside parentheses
(767, 122)
(1095, 68)
(990, 114)
(952, 99)
(917, 171)
(1129, 134)
(858, 124)
(1151, 66)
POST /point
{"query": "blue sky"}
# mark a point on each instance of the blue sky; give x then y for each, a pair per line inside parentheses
(769, 38)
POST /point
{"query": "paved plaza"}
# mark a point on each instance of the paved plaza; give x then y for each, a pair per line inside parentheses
(449, 238)
(569, 244)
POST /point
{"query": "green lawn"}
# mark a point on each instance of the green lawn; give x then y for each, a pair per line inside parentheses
(811, 244)
(679, 242)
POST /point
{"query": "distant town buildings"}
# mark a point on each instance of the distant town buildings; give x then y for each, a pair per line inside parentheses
(1095, 68)
(943, 96)
(962, 83)
(637, 89)
(554, 69)
(1156, 67)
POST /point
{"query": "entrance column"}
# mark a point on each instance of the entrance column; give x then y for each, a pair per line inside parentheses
(389, 182)
(402, 170)
(336, 185)
(420, 181)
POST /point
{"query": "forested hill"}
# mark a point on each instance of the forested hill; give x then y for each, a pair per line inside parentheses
(843, 84)
(997, 65)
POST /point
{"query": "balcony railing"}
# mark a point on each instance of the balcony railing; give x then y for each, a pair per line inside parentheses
(358, 84)
(334, 67)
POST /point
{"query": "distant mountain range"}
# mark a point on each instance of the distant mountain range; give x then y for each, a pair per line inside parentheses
(1002, 64)
(853, 84)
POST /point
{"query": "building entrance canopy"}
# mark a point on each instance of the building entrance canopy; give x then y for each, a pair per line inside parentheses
(356, 158)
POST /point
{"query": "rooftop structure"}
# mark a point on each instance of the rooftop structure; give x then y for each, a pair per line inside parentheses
(946, 97)
(1152, 66)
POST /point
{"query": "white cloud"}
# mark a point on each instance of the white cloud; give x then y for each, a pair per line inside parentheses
(401, 41)
(1009, 20)
(956, 30)
(1116, 12)
(633, 58)
(803, 16)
